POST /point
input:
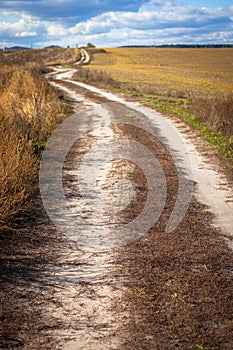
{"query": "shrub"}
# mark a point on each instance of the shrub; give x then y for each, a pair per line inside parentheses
(29, 111)
(216, 113)
(95, 76)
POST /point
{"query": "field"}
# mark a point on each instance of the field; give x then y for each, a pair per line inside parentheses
(195, 84)
(180, 70)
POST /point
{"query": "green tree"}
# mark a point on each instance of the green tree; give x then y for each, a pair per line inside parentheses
(90, 45)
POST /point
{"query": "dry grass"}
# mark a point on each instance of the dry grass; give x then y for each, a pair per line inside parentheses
(29, 111)
(39, 57)
(95, 76)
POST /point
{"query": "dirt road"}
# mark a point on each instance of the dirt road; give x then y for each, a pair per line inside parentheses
(84, 57)
(213, 188)
(119, 254)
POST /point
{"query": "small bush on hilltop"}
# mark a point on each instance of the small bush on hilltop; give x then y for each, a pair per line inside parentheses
(93, 76)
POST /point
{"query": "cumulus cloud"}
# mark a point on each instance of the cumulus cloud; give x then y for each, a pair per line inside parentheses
(25, 34)
(55, 29)
(110, 23)
(19, 28)
(67, 9)
(155, 15)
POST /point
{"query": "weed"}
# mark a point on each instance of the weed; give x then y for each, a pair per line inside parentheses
(130, 117)
(95, 76)
(199, 347)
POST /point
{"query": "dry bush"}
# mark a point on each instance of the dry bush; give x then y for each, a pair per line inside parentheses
(224, 116)
(95, 76)
(216, 113)
(30, 104)
(18, 171)
(29, 111)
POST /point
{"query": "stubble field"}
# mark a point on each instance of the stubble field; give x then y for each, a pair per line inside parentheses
(195, 84)
(188, 70)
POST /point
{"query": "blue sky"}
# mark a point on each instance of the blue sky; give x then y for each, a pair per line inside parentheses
(111, 23)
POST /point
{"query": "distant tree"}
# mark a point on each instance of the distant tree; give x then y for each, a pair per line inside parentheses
(90, 45)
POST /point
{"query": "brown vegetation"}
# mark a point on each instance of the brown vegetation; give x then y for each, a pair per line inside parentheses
(39, 57)
(95, 76)
(216, 112)
(29, 110)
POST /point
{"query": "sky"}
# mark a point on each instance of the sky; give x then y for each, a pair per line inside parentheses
(112, 23)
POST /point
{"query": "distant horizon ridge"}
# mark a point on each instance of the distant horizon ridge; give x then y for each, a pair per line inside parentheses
(16, 47)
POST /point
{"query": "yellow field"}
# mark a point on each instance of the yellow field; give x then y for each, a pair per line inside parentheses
(194, 84)
(200, 70)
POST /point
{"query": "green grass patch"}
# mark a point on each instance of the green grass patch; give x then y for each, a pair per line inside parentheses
(130, 117)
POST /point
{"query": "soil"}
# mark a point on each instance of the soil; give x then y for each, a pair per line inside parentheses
(162, 291)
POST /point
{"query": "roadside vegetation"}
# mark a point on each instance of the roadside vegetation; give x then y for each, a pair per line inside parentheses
(30, 109)
(194, 84)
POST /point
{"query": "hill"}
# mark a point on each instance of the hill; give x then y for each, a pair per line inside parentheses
(52, 55)
(16, 48)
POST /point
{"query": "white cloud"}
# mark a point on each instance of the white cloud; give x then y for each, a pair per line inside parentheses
(24, 34)
(12, 27)
(55, 29)
(155, 22)
(154, 15)
(23, 27)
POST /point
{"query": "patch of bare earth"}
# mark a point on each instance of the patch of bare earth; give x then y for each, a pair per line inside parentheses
(28, 251)
(181, 282)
